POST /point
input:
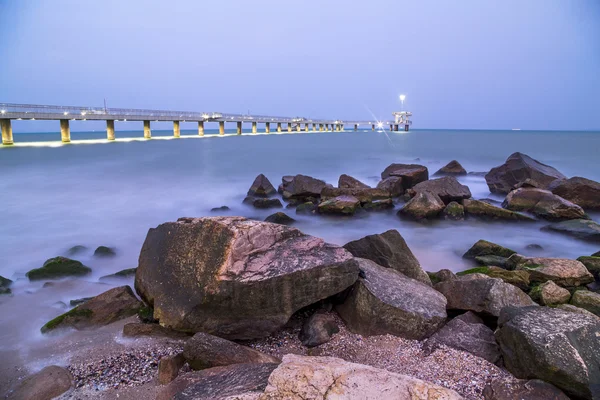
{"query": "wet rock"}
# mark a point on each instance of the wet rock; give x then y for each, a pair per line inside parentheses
(104, 251)
(587, 300)
(543, 342)
(46, 384)
(58, 267)
(379, 205)
(550, 294)
(318, 329)
(389, 250)
(346, 181)
(77, 302)
(583, 192)
(452, 168)
(447, 188)
(592, 264)
(207, 351)
(578, 228)
(306, 208)
(301, 187)
(480, 209)
(78, 249)
(106, 308)
(393, 185)
(280, 218)
(491, 261)
(511, 389)
(562, 271)
(301, 377)
(363, 195)
(342, 205)
(385, 301)
(454, 211)
(263, 203)
(220, 209)
(124, 273)
(261, 187)
(234, 277)
(168, 368)
(543, 203)
(517, 168)
(411, 174)
(482, 294)
(5, 285)
(485, 248)
(424, 205)
(534, 246)
(138, 329)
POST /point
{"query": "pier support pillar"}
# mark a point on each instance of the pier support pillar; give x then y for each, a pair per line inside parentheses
(391, 128)
(279, 127)
(110, 129)
(306, 127)
(147, 130)
(239, 128)
(221, 128)
(320, 127)
(373, 127)
(341, 127)
(200, 128)
(355, 127)
(289, 127)
(7, 134)
(326, 127)
(176, 131)
(254, 127)
(406, 128)
(65, 131)
(314, 127)
(298, 127)
(267, 127)
(396, 127)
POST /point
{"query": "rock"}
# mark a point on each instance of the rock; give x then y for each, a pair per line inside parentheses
(346, 181)
(550, 294)
(596, 254)
(318, 329)
(261, 187)
(474, 338)
(447, 188)
(103, 251)
(452, 168)
(484, 210)
(236, 381)
(46, 384)
(234, 277)
(511, 389)
(489, 261)
(138, 329)
(301, 187)
(207, 351)
(562, 271)
(5, 285)
(280, 218)
(482, 294)
(592, 264)
(583, 192)
(263, 202)
(454, 211)
(389, 250)
(411, 174)
(306, 208)
(106, 308)
(543, 203)
(578, 228)
(485, 248)
(77, 249)
(519, 279)
(168, 368)
(58, 267)
(441, 276)
(125, 273)
(387, 302)
(517, 168)
(343, 205)
(578, 310)
(393, 185)
(424, 205)
(320, 378)
(587, 300)
(364, 195)
(379, 205)
(534, 246)
(557, 346)
(220, 209)
(77, 302)
(528, 183)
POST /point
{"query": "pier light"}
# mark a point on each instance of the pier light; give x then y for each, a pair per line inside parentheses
(402, 97)
(65, 113)
(125, 120)
(83, 113)
(3, 111)
(380, 125)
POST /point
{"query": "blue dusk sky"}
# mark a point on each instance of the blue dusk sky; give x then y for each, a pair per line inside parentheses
(531, 64)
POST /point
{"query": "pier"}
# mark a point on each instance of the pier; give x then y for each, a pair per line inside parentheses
(65, 114)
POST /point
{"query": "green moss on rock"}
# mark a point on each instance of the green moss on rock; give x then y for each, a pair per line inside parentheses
(76, 313)
(476, 270)
(146, 314)
(126, 273)
(58, 267)
(104, 251)
(78, 249)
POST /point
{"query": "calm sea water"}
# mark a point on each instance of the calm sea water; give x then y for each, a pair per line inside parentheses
(110, 194)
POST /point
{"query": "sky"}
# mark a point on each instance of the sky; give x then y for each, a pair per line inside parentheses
(469, 64)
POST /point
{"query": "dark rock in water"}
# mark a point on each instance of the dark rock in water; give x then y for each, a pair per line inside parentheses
(596, 254)
(579, 228)
(125, 273)
(452, 168)
(393, 185)
(549, 294)
(241, 381)
(301, 187)
(583, 192)
(517, 168)
(78, 249)
(363, 195)
(206, 351)
(587, 300)
(261, 187)
(46, 384)
(318, 329)
(106, 308)
(484, 210)
(77, 302)
(103, 251)
(543, 203)
(534, 246)
(58, 267)
(346, 181)
(490, 261)
(485, 248)
(5, 285)
(492, 202)
(447, 188)
(263, 203)
(534, 389)
(519, 279)
(592, 264)
(388, 302)
(389, 250)
(306, 208)
(543, 342)
(454, 211)
(343, 205)
(379, 205)
(219, 209)
(280, 218)
(424, 205)
(411, 174)
(168, 368)
(137, 329)
(234, 277)
(476, 173)
(562, 271)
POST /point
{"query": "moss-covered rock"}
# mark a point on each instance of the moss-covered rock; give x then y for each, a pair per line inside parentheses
(485, 248)
(379, 205)
(596, 254)
(58, 267)
(280, 218)
(78, 249)
(104, 251)
(74, 314)
(76, 302)
(306, 208)
(341, 205)
(4, 283)
(125, 273)
(549, 294)
(476, 270)
(490, 260)
(454, 211)
(587, 300)
(592, 264)
(146, 314)
(519, 279)
(480, 209)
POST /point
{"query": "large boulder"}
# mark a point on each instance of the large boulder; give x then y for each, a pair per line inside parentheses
(324, 378)
(384, 301)
(207, 351)
(562, 271)
(587, 300)
(46, 384)
(234, 277)
(301, 187)
(583, 192)
(342, 205)
(517, 168)
(481, 209)
(393, 185)
(411, 174)
(104, 309)
(447, 188)
(389, 250)
(579, 228)
(364, 195)
(482, 294)
(318, 329)
(261, 187)
(452, 168)
(553, 345)
(485, 248)
(58, 267)
(550, 294)
(511, 389)
(423, 205)
(542, 203)
(348, 182)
